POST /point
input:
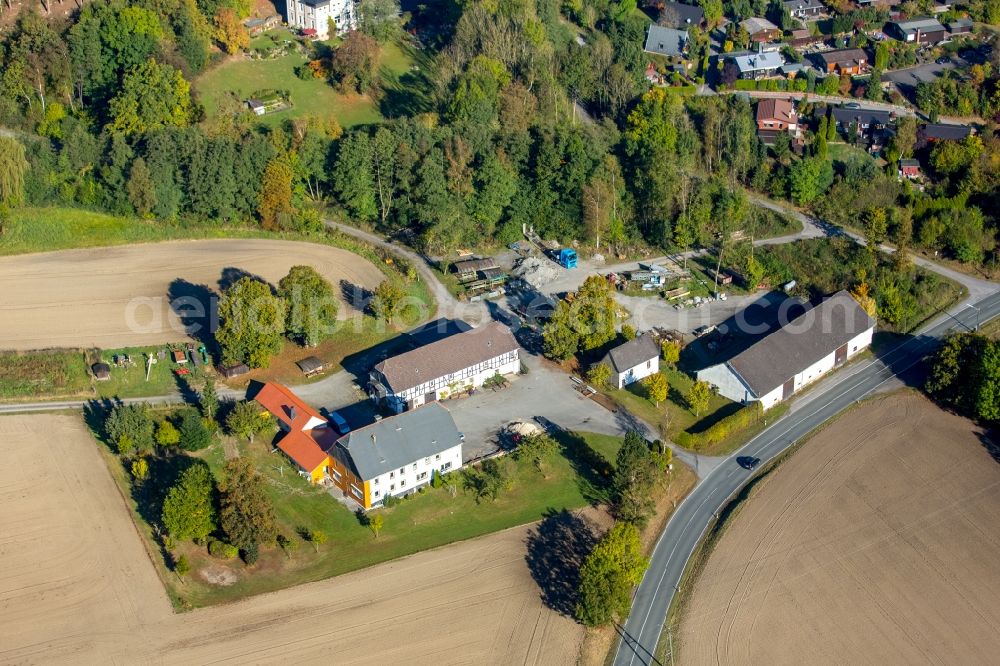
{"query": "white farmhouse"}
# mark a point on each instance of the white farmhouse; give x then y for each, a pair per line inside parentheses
(801, 351)
(443, 368)
(633, 361)
(312, 16)
(397, 455)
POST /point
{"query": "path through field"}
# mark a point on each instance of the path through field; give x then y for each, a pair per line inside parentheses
(81, 298)
(76, 586)
(875, 543)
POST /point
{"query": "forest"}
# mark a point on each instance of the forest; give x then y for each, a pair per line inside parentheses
(532, 112)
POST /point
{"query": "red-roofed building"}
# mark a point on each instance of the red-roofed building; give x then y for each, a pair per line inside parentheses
(307, 434)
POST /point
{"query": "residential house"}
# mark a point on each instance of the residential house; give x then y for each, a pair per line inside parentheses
(961, 26)
(761, 30)
(933, 132)
(777, 116)
(443, 368)
(307, 435)
(804, 9)
(312, 17)
(397, 455)
(800, 352)
(255, 26)
(842, 61)
(872, 126)
(680, 15)
(909, 168)
(801, 37)
(757, 65)
(633, 361)
(667, 42)
(926, 31)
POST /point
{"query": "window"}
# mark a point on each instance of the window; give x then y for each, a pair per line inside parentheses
(421, 476)
(402, 483)
(356, 492)
(376, 494)
(336, 475)
(402, 471)
(392, 475)
(414, 467)
(649, 364)
(392, 487)
(375, 482)
(427, 461)
(437, 457)
(445, 467)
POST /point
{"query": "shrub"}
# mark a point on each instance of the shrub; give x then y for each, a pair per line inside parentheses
(390, 501)
(251, 553)
(222, 550)
(722, 429)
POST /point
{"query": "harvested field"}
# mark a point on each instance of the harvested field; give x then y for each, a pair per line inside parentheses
(875, 543)
(80, 298)
(76, 585)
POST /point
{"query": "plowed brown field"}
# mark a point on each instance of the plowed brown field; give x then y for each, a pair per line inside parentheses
(876, 543)
(76, 586)
(117, 296)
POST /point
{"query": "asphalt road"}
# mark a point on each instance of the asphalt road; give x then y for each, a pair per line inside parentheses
(697, 512)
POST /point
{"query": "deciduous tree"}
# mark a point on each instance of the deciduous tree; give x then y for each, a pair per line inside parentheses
(189, 508)
(130, 429)
(607, 577)
(230, 31)
(698, 396)
(252, 323)
(376, 522)
(152, 95)
(13, 167)
(246, 512)
(657, 387)
(386, 300)
(536, 449)
(274, 204)
(312, 307)
(247, 419)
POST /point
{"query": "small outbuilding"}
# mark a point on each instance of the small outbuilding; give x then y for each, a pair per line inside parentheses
(635, 360)
(311, 365)
(102, 371)
(231, 371)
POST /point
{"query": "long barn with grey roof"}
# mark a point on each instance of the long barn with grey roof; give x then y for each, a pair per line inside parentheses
(445, 368)
(798, 353)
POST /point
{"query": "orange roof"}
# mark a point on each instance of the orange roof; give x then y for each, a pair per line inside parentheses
(286, 406)
(302, 449)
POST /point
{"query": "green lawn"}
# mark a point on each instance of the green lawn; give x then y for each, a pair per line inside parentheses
(426, 520)
(237, 78)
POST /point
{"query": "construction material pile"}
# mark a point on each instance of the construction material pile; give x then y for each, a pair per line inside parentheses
(536, 271)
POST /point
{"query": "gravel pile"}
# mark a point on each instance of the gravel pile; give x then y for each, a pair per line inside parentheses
(535, 271)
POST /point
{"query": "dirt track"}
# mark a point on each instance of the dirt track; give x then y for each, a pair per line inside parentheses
(80, 298)
(875, 543)
(76, 586)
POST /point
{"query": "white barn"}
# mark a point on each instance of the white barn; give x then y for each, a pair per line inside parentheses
(803, 350)
(441, 369)
(633, 361)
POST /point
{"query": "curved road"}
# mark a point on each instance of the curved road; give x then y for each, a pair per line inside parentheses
(641, 632)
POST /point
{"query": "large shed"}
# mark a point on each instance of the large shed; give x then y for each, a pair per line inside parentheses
(798, 353)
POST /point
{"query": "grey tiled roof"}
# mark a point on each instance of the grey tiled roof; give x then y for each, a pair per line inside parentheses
(808, 338)
(634, 352)
(397, 441)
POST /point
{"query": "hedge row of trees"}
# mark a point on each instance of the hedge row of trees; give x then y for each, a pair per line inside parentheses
(965, 375)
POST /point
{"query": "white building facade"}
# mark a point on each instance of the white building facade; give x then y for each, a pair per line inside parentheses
(415, 474)
(783, 363)
(316, 15)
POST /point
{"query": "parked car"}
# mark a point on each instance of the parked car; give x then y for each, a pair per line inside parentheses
(704, 330)
(339, 423)
(943, 60)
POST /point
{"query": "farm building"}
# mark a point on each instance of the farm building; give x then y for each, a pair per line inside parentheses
(393, 456)
(440, 369)
(307, 434)
(798, 353)
(396, 455)
(635, 360)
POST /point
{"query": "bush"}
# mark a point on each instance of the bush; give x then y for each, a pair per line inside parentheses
(390, 501)
(251, 553)
(436, 481)
(222, 550)
(722, 429)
